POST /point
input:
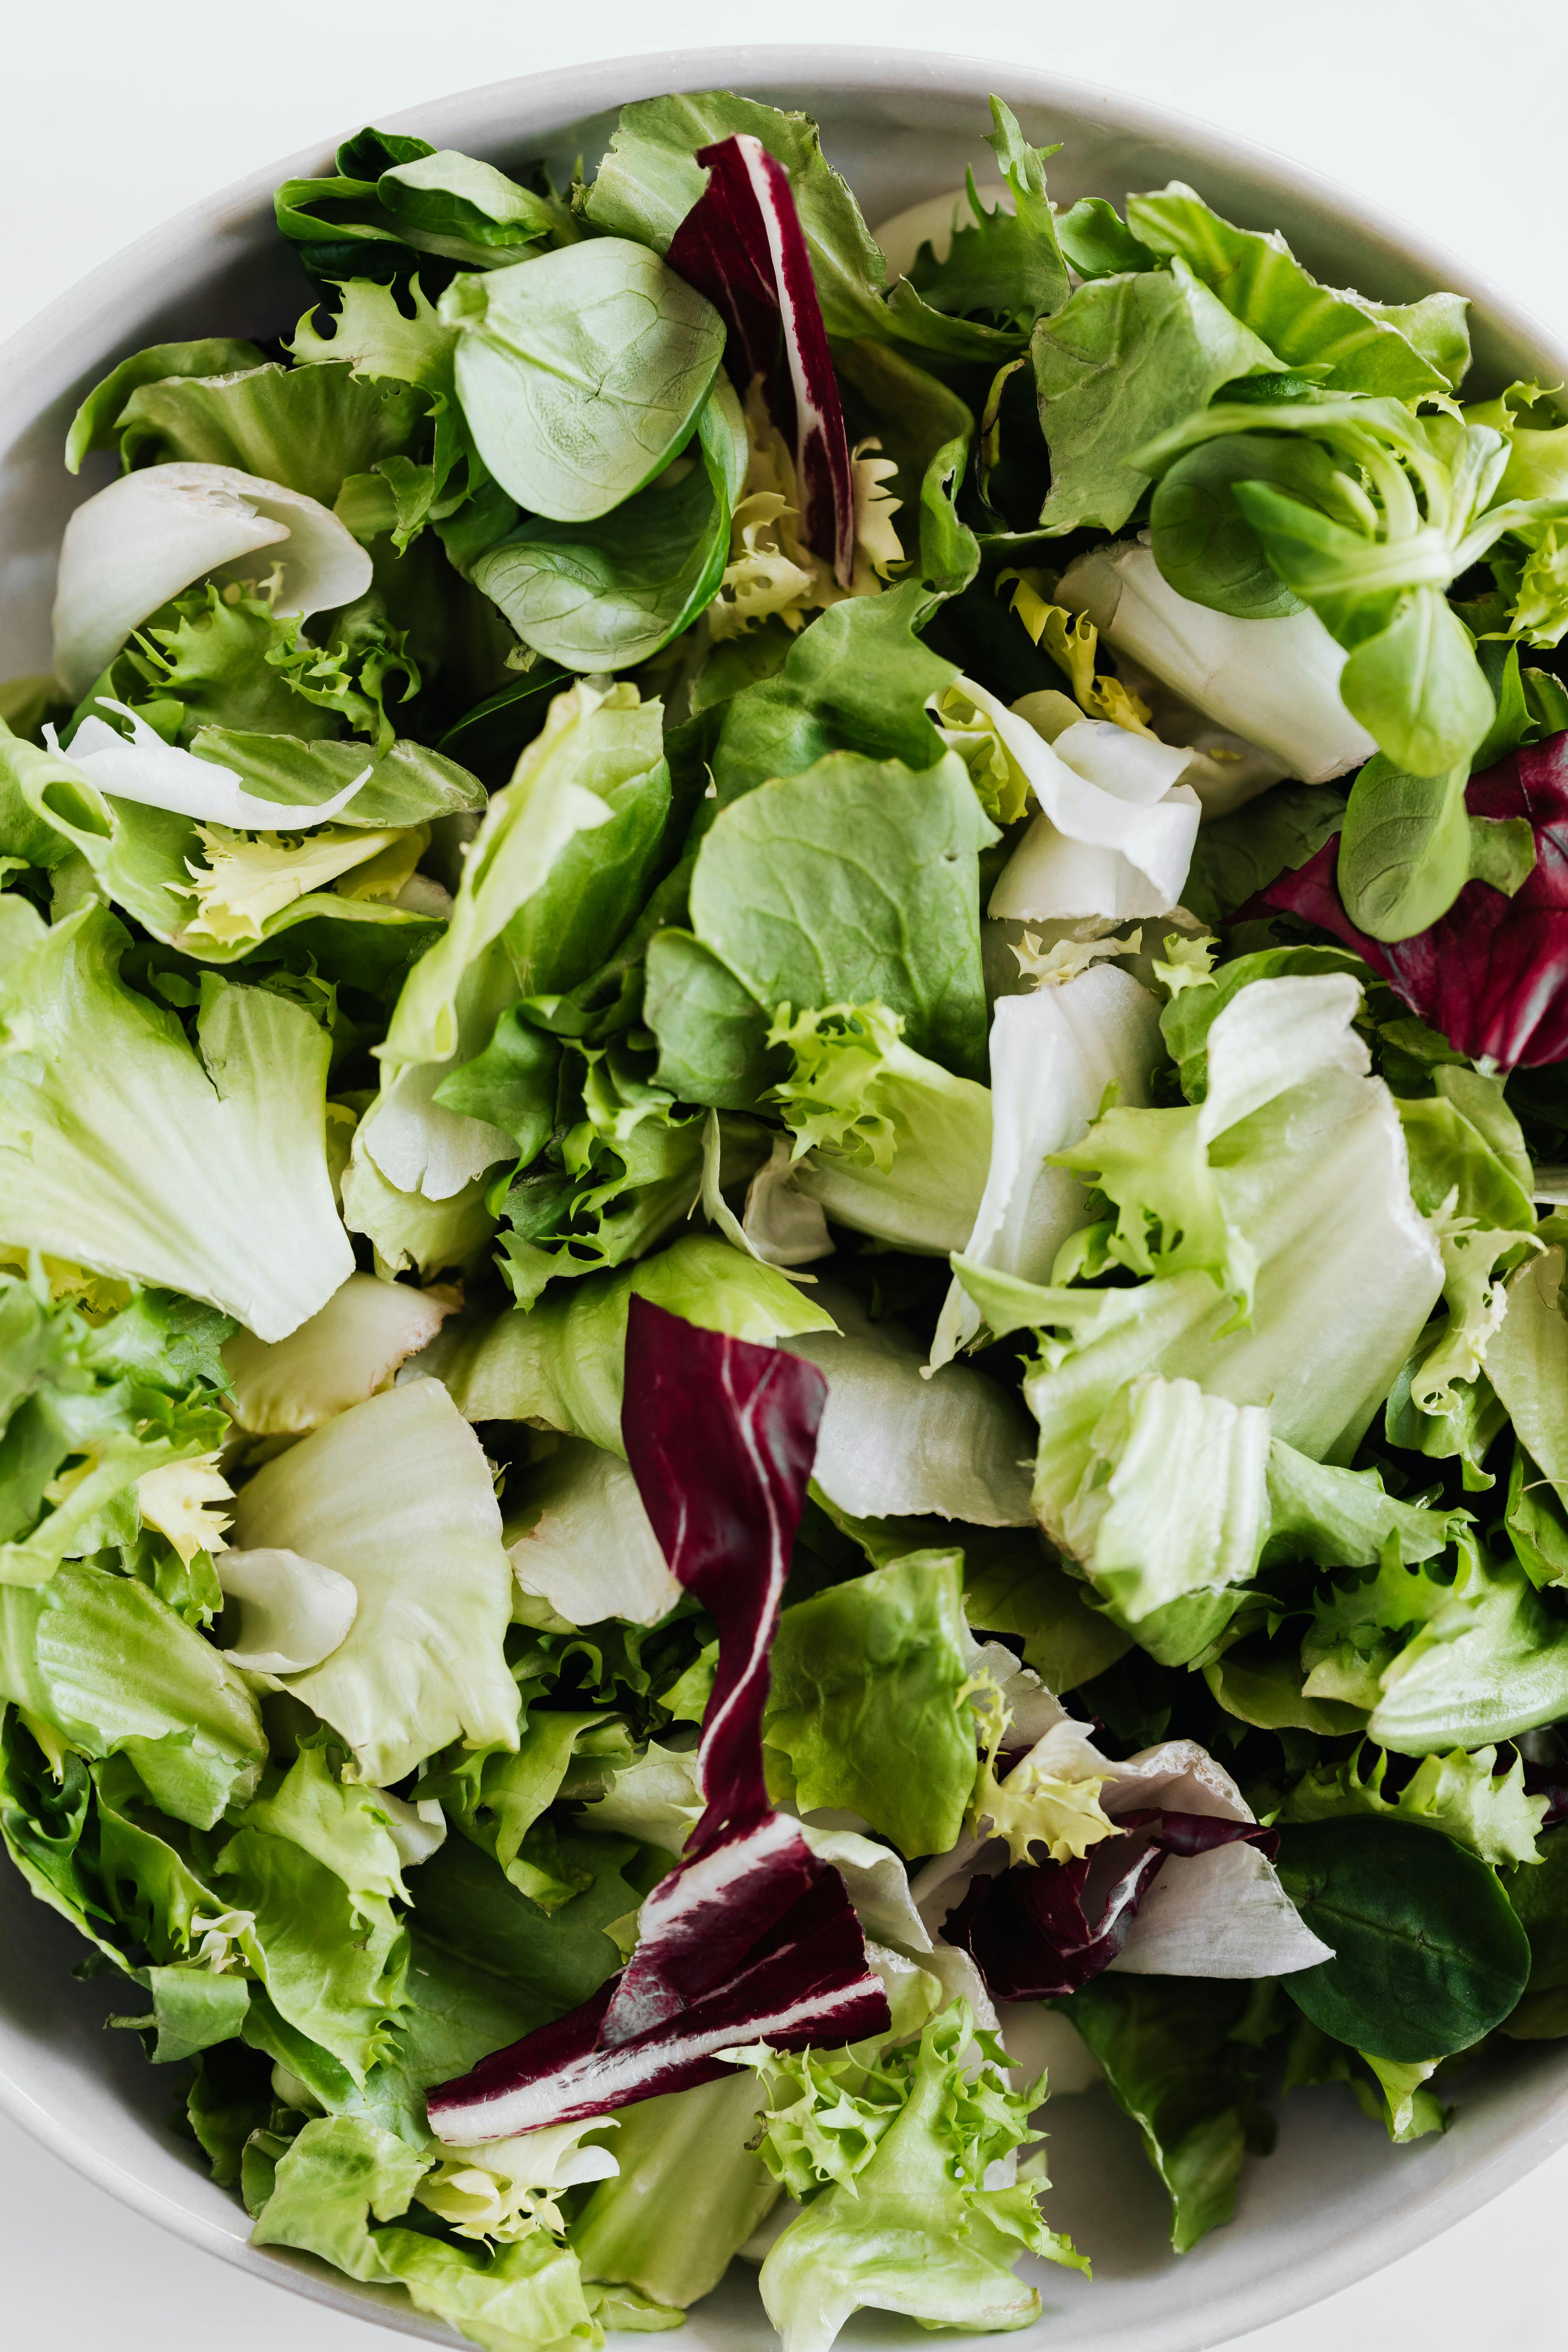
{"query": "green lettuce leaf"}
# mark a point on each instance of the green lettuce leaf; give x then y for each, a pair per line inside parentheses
(94, 425)
(309, 427)
(1006, 264)
(343, 2175)
(775, 900)
(395, 1495)
(114, 1671)
(925, 430)
(1464, 1796)
(1360, 346)
(691, 2190)
(894, 1144)
(1175, 2063)
(1124, 359)
(914, 2230)
(240, 1208)
(865, 1709)
(594, 739)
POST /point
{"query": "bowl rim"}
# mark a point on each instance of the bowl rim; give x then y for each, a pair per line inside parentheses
(35, 348)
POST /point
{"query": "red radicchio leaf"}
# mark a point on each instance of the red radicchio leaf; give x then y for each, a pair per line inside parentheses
(751, 1937)
(741, 245)
(1038, 1934)
(1492, 975)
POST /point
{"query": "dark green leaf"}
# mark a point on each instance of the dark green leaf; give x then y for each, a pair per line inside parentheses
(925, 429)
(1428, 1955)
(1173, 2064)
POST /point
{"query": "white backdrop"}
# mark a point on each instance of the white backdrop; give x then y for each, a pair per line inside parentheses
(1446, 112)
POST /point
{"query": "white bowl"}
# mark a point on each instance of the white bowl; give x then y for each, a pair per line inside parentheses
(1335, 2201)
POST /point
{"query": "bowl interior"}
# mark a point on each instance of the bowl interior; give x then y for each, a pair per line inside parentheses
(1334, 2202)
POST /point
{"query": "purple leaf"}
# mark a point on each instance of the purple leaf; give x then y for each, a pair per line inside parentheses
(751, 1937)
(741, 245)
(807, 1982)
(1493, 974)
(1039, 1934)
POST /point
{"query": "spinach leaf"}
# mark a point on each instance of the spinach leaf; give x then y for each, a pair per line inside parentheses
(581, 373)
(604, 595)
(1404, 850)
(1174, 2061)
(1428, 1953)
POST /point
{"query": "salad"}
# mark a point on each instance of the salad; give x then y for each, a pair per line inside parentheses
(783, 1020)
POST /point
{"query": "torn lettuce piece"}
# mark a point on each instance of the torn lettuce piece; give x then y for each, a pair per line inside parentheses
(579, 1537)
(1054, 1054)
(114, 1671)
(690, 2192)
(594, 739)
(560, 1365)
(1359, 346)
(395, 1495)
(240, 1210)
(885, 1140)
(293, 1612)
(897, 1441)
(915, 2229)
(1175, 2061)
(1273, 682)
(1115, 830)
(789, 920)
(866, 1706)
(1290, 1268)
(343, 1355)
(1123, 359)
(1464, 1796)
(337, 2191)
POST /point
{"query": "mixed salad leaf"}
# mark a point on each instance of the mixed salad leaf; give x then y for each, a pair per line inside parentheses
(783, 1292)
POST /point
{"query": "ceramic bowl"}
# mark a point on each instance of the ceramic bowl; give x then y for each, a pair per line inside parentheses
(1334, 2202)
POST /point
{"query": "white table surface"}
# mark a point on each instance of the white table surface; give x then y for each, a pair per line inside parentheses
(1446, 113)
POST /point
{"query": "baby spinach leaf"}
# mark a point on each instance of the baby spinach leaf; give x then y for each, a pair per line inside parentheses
(581, 373)
(1428, 1953)
(604, 595)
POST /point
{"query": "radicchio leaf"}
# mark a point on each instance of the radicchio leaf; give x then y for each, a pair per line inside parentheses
(742, 246)
(1492, 975)
(1039, 1934)
(750, 1937)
